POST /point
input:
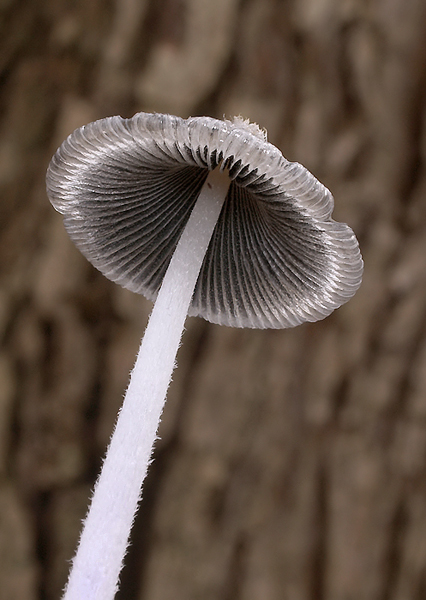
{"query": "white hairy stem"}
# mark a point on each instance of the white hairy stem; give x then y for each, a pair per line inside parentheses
(99, 558)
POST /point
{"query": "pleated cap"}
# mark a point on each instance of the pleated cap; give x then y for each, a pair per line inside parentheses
(126, 188)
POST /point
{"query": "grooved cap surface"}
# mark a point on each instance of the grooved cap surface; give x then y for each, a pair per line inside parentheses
(126, 188)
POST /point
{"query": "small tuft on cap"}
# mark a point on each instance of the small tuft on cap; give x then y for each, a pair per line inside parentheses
(253, 128)
(126, 188)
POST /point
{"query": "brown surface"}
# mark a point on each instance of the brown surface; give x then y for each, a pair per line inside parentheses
(292, 464)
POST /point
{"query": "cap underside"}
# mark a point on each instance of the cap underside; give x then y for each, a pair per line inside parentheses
(126, 188)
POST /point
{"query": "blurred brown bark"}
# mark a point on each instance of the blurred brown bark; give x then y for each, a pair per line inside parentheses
(292, 464)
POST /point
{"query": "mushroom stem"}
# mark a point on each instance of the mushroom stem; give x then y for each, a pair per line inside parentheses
(99, 558)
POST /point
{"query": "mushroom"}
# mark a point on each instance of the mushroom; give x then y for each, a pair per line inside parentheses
(207, 218)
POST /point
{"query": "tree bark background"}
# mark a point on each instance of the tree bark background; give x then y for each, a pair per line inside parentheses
(291, 464)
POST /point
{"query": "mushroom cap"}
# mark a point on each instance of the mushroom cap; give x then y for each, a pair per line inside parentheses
(126, 188)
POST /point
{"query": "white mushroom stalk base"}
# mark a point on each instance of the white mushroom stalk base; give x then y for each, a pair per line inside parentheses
(97, 564)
